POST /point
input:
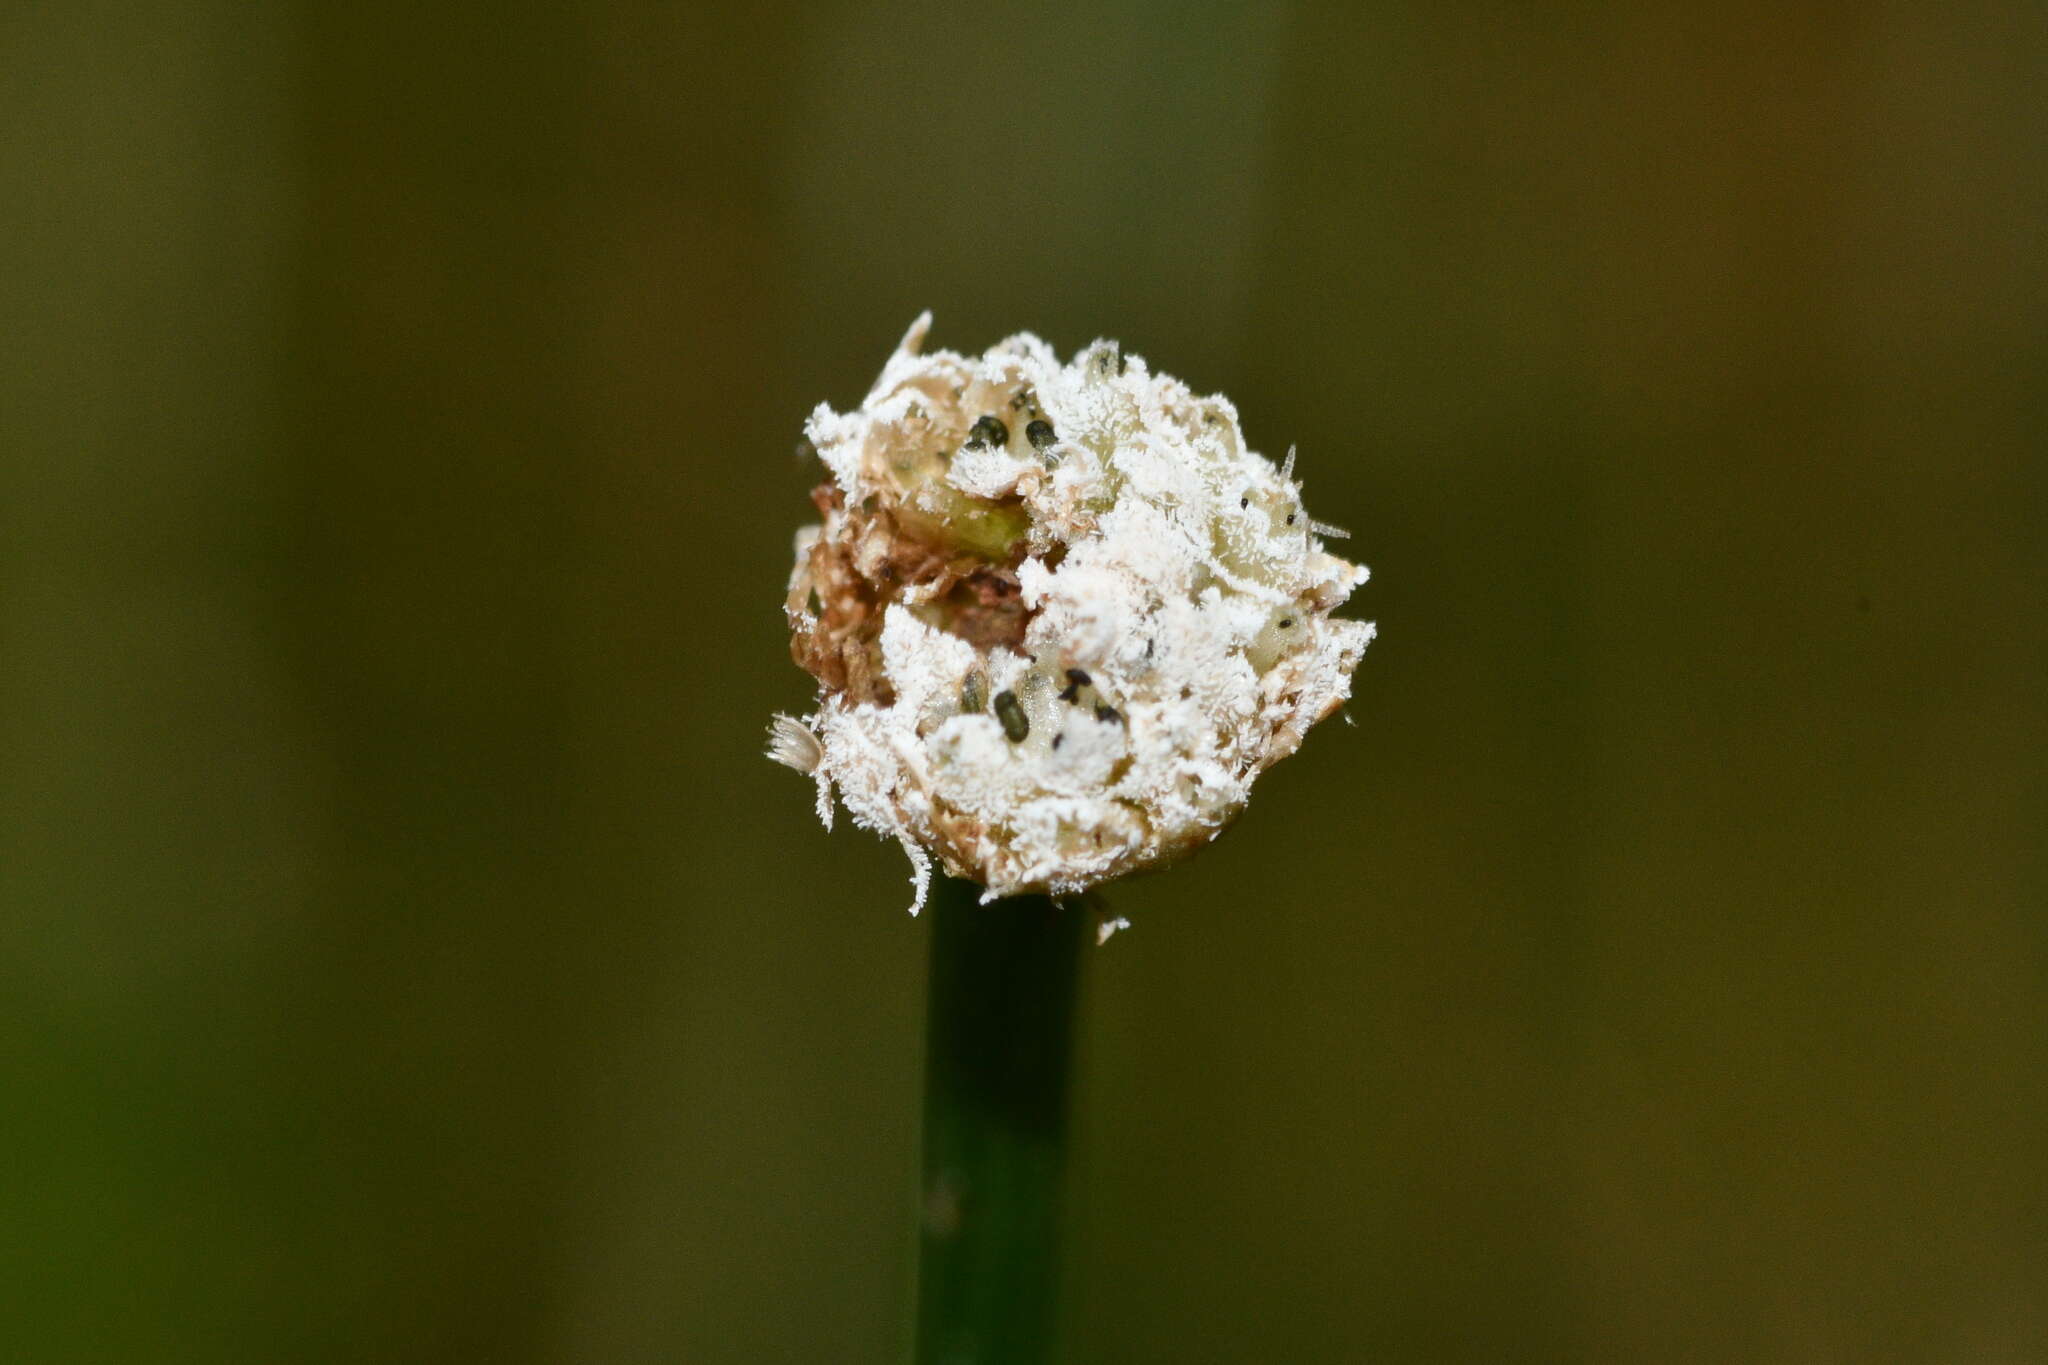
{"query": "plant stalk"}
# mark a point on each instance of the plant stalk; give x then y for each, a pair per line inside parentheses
(998, 1042)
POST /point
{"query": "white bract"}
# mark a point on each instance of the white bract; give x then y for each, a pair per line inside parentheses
(1060, 616)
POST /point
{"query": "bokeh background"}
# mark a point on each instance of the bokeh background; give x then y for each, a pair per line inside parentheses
(405, 954)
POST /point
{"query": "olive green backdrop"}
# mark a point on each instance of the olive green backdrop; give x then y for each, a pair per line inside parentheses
(405, 954)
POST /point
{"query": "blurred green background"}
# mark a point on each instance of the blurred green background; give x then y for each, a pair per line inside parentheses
(405, 954)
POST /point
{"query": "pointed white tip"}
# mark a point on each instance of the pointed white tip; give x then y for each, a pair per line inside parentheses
(913, 340)
(825, 806)
(920, 874)
(1287, 467)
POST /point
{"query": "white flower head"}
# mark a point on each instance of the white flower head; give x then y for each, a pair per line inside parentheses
(1060, 616)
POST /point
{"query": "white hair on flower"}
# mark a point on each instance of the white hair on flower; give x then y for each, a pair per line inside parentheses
(1061, 617)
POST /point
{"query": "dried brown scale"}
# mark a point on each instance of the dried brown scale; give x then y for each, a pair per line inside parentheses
(867, 562)
(985, 608)
(839, 645)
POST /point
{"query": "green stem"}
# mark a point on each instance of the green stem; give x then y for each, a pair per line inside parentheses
(998, 1039)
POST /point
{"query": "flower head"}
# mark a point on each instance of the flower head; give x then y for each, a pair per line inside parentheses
(1060, 616)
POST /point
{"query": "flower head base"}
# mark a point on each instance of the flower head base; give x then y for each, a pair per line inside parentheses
(1060, 616)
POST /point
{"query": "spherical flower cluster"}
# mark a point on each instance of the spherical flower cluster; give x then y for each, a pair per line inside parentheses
(1060, 616)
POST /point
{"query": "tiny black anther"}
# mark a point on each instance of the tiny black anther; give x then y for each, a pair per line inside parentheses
(1040, 434)
(1109, 715)
(988, 431)
(1059, 739)
(1290, 518)
(1243, 503)
(1287, 623)
(1010, 712)
(817, 607)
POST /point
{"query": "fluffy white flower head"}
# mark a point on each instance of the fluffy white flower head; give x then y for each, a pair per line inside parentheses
(1060, 616)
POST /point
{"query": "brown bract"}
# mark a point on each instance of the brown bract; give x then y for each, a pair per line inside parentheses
(863, 560)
